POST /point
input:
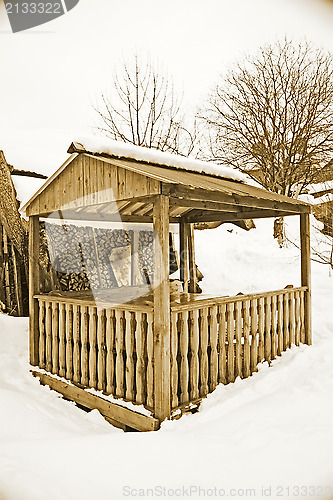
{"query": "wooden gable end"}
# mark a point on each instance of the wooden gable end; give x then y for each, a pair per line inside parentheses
(89, 181)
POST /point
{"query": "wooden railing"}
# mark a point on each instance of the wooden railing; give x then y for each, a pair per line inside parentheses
(109, 349)
(217, 340)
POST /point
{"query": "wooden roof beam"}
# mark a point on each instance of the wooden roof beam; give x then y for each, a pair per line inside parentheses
(188, 196)
(230, 217)
(99, 217)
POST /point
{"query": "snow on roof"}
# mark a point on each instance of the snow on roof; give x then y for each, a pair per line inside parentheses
(148, 155)
(320, 193)
(325, 198)
(322, 186)
(26, 187)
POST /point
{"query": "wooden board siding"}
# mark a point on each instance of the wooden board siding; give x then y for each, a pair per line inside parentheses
(88, 181)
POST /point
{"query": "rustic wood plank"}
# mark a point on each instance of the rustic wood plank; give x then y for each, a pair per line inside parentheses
(306, 274)
(55, 338)
(183, 254)
(183, 354)
(280, 347)
(129, 350)
(84, 345)
(230, 337)
(92, 347)
(254, 330)
(191, 259)
(302, 318)
(222, 344)
(221, 216)
(114, 181)
(292, 321)
(203, 354)
(34, 278)
(101, 354)
(238, 336)
(261, 329)
(297, 318)
(62, 340)
(174, 362)
(286, 317)
(162, 384)
(150, 359)
(120, 364)
(274, 327)
(198, 301)
(76, 343)
(108, 409)
(69, 341)
(213, 364)
(109, 341)
(231, 194)
(122, 183)
(48, 336)
(42, 362)
(268, 326)
(141, 356)
(136, 277)
(194, 350)
(17, 281)
(246, 333)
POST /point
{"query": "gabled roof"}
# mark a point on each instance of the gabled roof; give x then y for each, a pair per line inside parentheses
(195, 195)
(121, 150)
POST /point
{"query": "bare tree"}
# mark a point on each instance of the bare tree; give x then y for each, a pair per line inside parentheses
(141, 108)
(271, 116)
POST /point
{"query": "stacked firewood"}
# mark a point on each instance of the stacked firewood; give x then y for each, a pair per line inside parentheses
(80, 256)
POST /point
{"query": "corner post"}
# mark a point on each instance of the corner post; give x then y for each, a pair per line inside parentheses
(34, 288)
(162, 395)
(183, 250)
(191, 256)
(306, 273)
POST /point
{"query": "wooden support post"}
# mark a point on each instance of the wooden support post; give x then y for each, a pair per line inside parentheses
(183, 250)
(34, 279)
(136, 278)
(17, 280)
(191, 256)
(162, 392)
(306, 274)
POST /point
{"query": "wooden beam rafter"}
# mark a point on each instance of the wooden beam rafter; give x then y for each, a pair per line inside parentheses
(215, 200)
(233, 216)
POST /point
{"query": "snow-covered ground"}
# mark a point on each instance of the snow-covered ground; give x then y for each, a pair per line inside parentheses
(270, 435)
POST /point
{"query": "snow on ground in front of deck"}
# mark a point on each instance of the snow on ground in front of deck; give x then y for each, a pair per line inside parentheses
(274, 429)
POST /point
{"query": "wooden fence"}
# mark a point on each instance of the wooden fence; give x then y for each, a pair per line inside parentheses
(214, 340)
(109, 349)
(219, 340)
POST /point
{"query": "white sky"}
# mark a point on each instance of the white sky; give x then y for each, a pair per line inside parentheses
(51, 74)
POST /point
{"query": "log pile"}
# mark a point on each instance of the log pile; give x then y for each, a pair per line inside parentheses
(13, 247)
(80, 256)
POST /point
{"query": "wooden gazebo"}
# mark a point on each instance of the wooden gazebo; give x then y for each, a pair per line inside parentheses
(161, 352)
